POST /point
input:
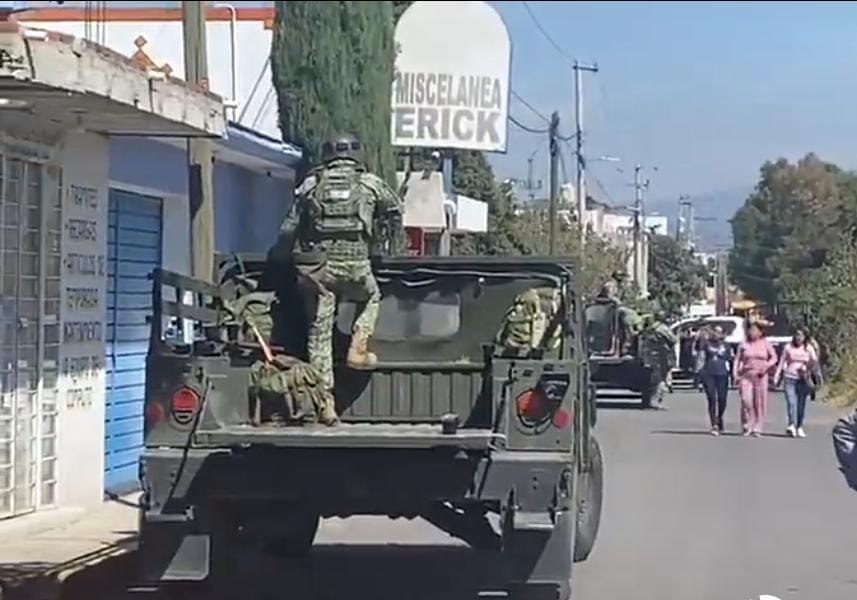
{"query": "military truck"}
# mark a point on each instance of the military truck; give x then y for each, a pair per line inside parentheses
(496, 448)
(616, 363)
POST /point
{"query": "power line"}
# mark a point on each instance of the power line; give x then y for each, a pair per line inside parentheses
(534, 110)
(553, 43)
(523, 127)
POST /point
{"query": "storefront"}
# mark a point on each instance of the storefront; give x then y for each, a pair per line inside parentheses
(71, 256)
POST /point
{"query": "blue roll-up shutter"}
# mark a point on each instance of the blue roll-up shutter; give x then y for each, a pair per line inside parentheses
(133, 251)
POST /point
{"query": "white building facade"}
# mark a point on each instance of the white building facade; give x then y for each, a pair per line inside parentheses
(93, 196)
(58, 252)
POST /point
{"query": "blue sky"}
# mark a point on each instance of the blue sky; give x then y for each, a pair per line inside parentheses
(705, 91)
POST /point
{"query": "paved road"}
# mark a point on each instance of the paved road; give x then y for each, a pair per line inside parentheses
(687, 517)
(692, 517)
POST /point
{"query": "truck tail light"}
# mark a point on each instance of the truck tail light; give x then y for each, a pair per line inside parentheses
(154, 414)
(184, 405)
(543, 404)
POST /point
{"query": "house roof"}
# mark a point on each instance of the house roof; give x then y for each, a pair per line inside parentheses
(75, 82)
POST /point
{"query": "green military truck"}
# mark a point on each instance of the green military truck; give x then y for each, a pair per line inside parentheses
(450, 427)
(616, 363)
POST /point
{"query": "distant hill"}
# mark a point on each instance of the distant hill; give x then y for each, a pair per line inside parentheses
(715, 208)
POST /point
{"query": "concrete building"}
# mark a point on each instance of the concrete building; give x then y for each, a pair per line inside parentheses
(430, 212)
(238, 43)
(61, 256)
(93, 197)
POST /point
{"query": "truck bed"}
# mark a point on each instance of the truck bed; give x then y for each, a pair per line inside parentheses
(350, 435)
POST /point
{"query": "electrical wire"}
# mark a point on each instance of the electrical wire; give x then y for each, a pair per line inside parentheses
(553, 43)
(523, 127)
(533, 109)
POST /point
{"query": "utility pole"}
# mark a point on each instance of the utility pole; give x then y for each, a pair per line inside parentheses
(554, 180)
(721, 283)
(201, 189)
(686, 219)
(580, 188)
(638, 225)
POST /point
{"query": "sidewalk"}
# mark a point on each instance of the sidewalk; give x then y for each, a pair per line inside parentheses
(41, 555)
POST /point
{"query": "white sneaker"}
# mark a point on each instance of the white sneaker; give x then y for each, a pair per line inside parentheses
(800, 432)
(790, 431)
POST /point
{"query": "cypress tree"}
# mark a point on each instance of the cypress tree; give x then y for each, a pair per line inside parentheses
(332, 67)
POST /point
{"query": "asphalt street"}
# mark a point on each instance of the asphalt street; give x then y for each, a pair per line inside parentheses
(686, 517)
(691, 517)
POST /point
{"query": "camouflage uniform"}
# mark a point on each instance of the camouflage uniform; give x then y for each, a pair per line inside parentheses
(528, 320)
(333, 222)
(629, 320)
(661, 342)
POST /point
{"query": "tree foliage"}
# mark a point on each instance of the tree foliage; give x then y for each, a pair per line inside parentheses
(796, 244)
(789, 223)
(676, 277)
(332, 66)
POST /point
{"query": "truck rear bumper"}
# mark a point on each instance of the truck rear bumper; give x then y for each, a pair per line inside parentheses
(181, 493)
(350, 435)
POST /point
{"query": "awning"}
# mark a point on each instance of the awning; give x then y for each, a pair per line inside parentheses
(71, 82)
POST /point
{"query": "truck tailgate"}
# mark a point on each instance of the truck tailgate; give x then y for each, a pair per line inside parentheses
(349, 435)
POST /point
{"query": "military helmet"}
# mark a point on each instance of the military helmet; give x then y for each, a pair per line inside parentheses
(341, 145)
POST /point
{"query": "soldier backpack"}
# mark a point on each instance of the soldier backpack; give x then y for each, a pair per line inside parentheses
(339, 203)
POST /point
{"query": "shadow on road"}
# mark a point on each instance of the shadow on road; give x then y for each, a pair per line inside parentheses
(620, 405)
(703, 432)
(49, 581)
(331, 572)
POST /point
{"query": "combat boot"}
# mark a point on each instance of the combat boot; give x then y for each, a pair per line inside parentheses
(327, 415)
(359, 357)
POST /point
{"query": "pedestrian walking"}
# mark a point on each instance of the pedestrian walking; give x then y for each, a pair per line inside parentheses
(699, 342)
(797, 365)
(753, 364)
(716, 359)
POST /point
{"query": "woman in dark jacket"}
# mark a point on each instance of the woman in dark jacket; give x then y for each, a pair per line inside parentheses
(716, 359)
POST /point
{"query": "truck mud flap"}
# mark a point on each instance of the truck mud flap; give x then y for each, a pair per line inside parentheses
(532, 521)
(171, 552)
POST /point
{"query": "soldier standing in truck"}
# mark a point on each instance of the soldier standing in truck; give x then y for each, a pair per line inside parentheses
(333, 222)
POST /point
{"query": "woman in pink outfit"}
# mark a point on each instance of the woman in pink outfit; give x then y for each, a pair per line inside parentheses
(753, 363)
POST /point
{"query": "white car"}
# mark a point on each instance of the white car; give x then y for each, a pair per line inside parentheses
(734, 328)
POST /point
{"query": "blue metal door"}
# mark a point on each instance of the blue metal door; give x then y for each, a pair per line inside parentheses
(133, 251)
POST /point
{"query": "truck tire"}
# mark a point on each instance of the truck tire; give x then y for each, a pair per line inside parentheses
(589, 503)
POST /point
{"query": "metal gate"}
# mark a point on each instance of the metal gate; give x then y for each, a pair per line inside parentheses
(133, 251)
(30, 234)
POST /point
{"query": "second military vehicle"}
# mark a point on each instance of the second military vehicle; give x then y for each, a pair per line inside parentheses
(619, 363)
(493, 444)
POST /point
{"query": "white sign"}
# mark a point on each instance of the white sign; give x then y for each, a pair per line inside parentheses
(451, 86)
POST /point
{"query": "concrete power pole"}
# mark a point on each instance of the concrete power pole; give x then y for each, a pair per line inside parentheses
(721, 285)
(580, 188)
(554, 181)
(686, 219)
(201, 189)
(639, 219)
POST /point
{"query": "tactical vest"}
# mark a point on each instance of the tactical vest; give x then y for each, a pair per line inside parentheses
(339, 213)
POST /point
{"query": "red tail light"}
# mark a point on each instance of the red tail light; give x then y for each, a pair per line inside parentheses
(184, 405)
(532, 407)
(542, 405)
(154, 414)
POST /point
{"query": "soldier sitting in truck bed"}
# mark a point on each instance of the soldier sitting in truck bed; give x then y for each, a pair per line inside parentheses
(629, 320)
